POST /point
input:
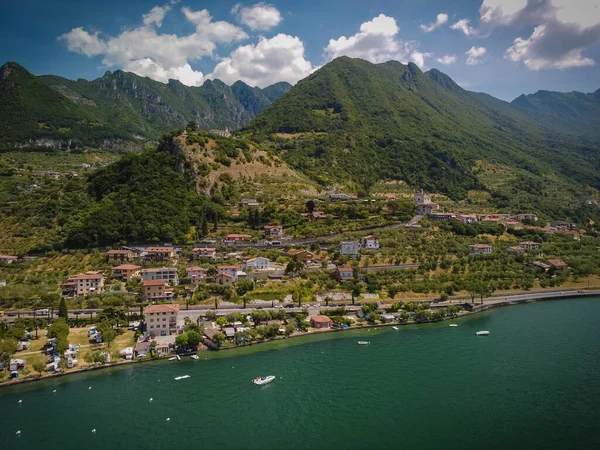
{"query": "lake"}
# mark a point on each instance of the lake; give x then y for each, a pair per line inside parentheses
(534, 382)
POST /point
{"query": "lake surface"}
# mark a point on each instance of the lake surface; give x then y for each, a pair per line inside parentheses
(533, 383)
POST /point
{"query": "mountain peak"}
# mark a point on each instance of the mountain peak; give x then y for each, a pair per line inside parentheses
(11, 69)
(443, 80)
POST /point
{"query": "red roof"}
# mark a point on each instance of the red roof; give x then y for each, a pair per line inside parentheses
(195, 269)
(345, 269)
(119, 252)
(320, 319)
(369, 237)
(224, 275)
(227, 267)
(153, 282)
(127, 267)
(162, 308)
(233, 236)
(86, 276)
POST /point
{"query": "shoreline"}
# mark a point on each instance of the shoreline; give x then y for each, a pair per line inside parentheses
(477, 308)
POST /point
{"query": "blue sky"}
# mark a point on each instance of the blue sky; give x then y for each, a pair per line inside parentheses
(502, 47)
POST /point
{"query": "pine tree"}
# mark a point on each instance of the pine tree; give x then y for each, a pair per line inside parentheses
(62, 309)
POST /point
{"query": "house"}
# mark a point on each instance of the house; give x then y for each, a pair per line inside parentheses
(250, 202)
(321, 322)
(161, 320)
(421, 199)
(303, 256)
(529, 245)
(386, 318)
(8, 259)
(86, 283)
(17, 364)
(142, 349)
(349, 248)
(233, 239)
(196, 274)
(318, 215)
(516, 249)
(344, 273)
(273, 231)
(540, 265)
(161, 349)
(369, 242)
(527, 217)
(2, 283)
(335, 197)
(125, 272)
(159, 253)
(222, 133)
(230, 270)
(168, 274)
(467, 218)
(156, 291)
(558, 264)
(204, 252)
(423, 209)
(441, 217)
(481, 249)
(119, 255)
(563, 225)
(258, 263)
(224, 278)
(210, 332)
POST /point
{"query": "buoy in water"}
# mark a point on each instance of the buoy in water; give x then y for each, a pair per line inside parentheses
(94, 430)
(151, 399)
(54, 391)
(20, 401)
(168, 419)
(89, 388)
(18, 433)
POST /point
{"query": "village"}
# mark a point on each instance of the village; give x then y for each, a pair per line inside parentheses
(253, 287)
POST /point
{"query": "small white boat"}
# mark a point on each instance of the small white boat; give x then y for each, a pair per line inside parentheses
(453, 325)
(183, 377)
(395, 328)
(363, 343)
(482, 333)
(195, 357)
(263, 380)
(173, 358)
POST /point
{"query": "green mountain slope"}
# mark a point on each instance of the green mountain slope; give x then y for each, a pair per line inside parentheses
(573, 112)
(117, 106)
(353, 120)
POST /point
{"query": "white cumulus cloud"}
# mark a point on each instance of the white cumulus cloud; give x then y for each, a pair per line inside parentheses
(280, 58)
(563, 30)
(475, 55)
(440, 20)
(447, 59)
(261, 16)
(419, 58)
(145, 51)
(463, 25)
(376, 41)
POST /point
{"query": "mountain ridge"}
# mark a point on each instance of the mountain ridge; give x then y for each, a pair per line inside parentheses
(119, 105)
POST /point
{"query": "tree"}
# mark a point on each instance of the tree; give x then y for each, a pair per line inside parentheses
(105, 328)
(8, 346)
(218, 339)
(194, 338)
(181, 341)
(191, 126)
(62, 309)
(243, 286)
(39, 367)
(210, 315)
(310, 206)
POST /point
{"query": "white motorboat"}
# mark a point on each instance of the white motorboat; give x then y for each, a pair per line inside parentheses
(182, 377)
(263, 380)
(195, 357)
(453, 325)
(363, 343)
(395, 328)
(482, 333)
(174, 358)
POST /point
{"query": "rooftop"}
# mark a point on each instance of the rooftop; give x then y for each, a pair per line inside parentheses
(127, 267)
(153, 283)
(320, 319)
(172, 308)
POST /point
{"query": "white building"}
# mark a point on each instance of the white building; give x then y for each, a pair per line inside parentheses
(196, 274)
(231, 271)
(529, 245)
(258, 263)
(349, 248)
(161, 320)
(481, 249)
(168, 274)
(87, 283)
(370, 242)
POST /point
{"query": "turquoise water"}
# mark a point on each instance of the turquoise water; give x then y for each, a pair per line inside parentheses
(533, 383)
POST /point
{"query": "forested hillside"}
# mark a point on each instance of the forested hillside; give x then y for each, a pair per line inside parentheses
(367, 122)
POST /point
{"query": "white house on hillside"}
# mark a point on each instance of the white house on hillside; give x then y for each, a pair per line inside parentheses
(370, 242)
(258, 263)
(349, 248)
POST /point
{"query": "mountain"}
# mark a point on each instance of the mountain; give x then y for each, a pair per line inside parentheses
(363, 122)
(119, 106)
(574, 112)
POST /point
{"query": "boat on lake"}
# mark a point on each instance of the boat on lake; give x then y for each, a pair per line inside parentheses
(395, 328)
(482, 333)
(453, 325)
(182, 377)
(263, 380)
(175, 358)
(195, 357)
(363, 342)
